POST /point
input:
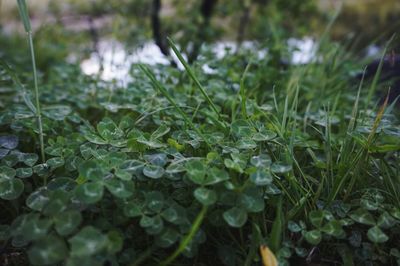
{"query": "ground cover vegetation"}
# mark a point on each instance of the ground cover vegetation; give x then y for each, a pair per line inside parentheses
(183, 167)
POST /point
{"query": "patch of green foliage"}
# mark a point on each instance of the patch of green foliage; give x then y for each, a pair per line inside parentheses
(183, 167)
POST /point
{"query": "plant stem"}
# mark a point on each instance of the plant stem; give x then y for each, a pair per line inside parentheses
(37, 100)
(193, 230)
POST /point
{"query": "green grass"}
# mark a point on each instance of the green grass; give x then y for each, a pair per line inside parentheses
(184, 168)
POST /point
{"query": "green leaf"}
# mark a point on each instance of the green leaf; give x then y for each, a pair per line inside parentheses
(363, 217)
(24, 172)
(114, 242)
(109, 130)
(11, 188)
(161, 131)
(7, 172)
(316, 217)
(215, 176)
(386, 220)
(48, 251)
(59, 200)
(167, 238)
(252, 202)
(87, 242)
(294, 227)
(261, 178)
(57, 112)
(131, 209)
(233, 165)
(376, 235)
(9, 142)
(89, 193)
(66, 222)
(55, 162)
(41, 169)
(38, 199)
(35, 228)
(146, 221)
(30, 159)
(395, 212)
(153, 171)
(262, 160)
(172, 215)
(3, 153)
(11, 159)
(280, 168)
(94, 138)
(246, 144)
(242, 128)
(155, 201)
(119, 188)
(205, 196)
(264, 135)
(313, 237)
(91, 170)
(196, 171)
(153, 143)
(62, 183)
(159, 159)
(333, 228)
(235, 217)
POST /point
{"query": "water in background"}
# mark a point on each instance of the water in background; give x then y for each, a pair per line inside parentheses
(116, 61)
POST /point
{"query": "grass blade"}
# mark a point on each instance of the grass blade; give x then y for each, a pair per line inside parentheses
(161, 88)
(193, 77)
(23, 10)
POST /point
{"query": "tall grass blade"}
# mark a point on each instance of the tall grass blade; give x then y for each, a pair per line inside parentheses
(193, 77)
(242, 91)
(23, 10)
(188, 238)
(377, 75)
(159, 87)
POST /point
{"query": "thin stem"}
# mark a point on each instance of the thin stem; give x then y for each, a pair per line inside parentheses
(186, 241)
(37, 100)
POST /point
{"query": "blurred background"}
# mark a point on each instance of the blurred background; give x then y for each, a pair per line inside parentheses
(102, 34)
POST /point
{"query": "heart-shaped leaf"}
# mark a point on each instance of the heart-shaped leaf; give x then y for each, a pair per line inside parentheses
(313, 237)
(362, 216)
(11, 188)
(262, 160)
(376, 235)
(153, 171)
(196, 171)
(48, 251)
(87, 242)
(66, 222)
(9, 142)
(280, 168)
(205, 196)
(119, 188)
(38, 199)
(261, 178)
(235, 217)
(89, 193)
